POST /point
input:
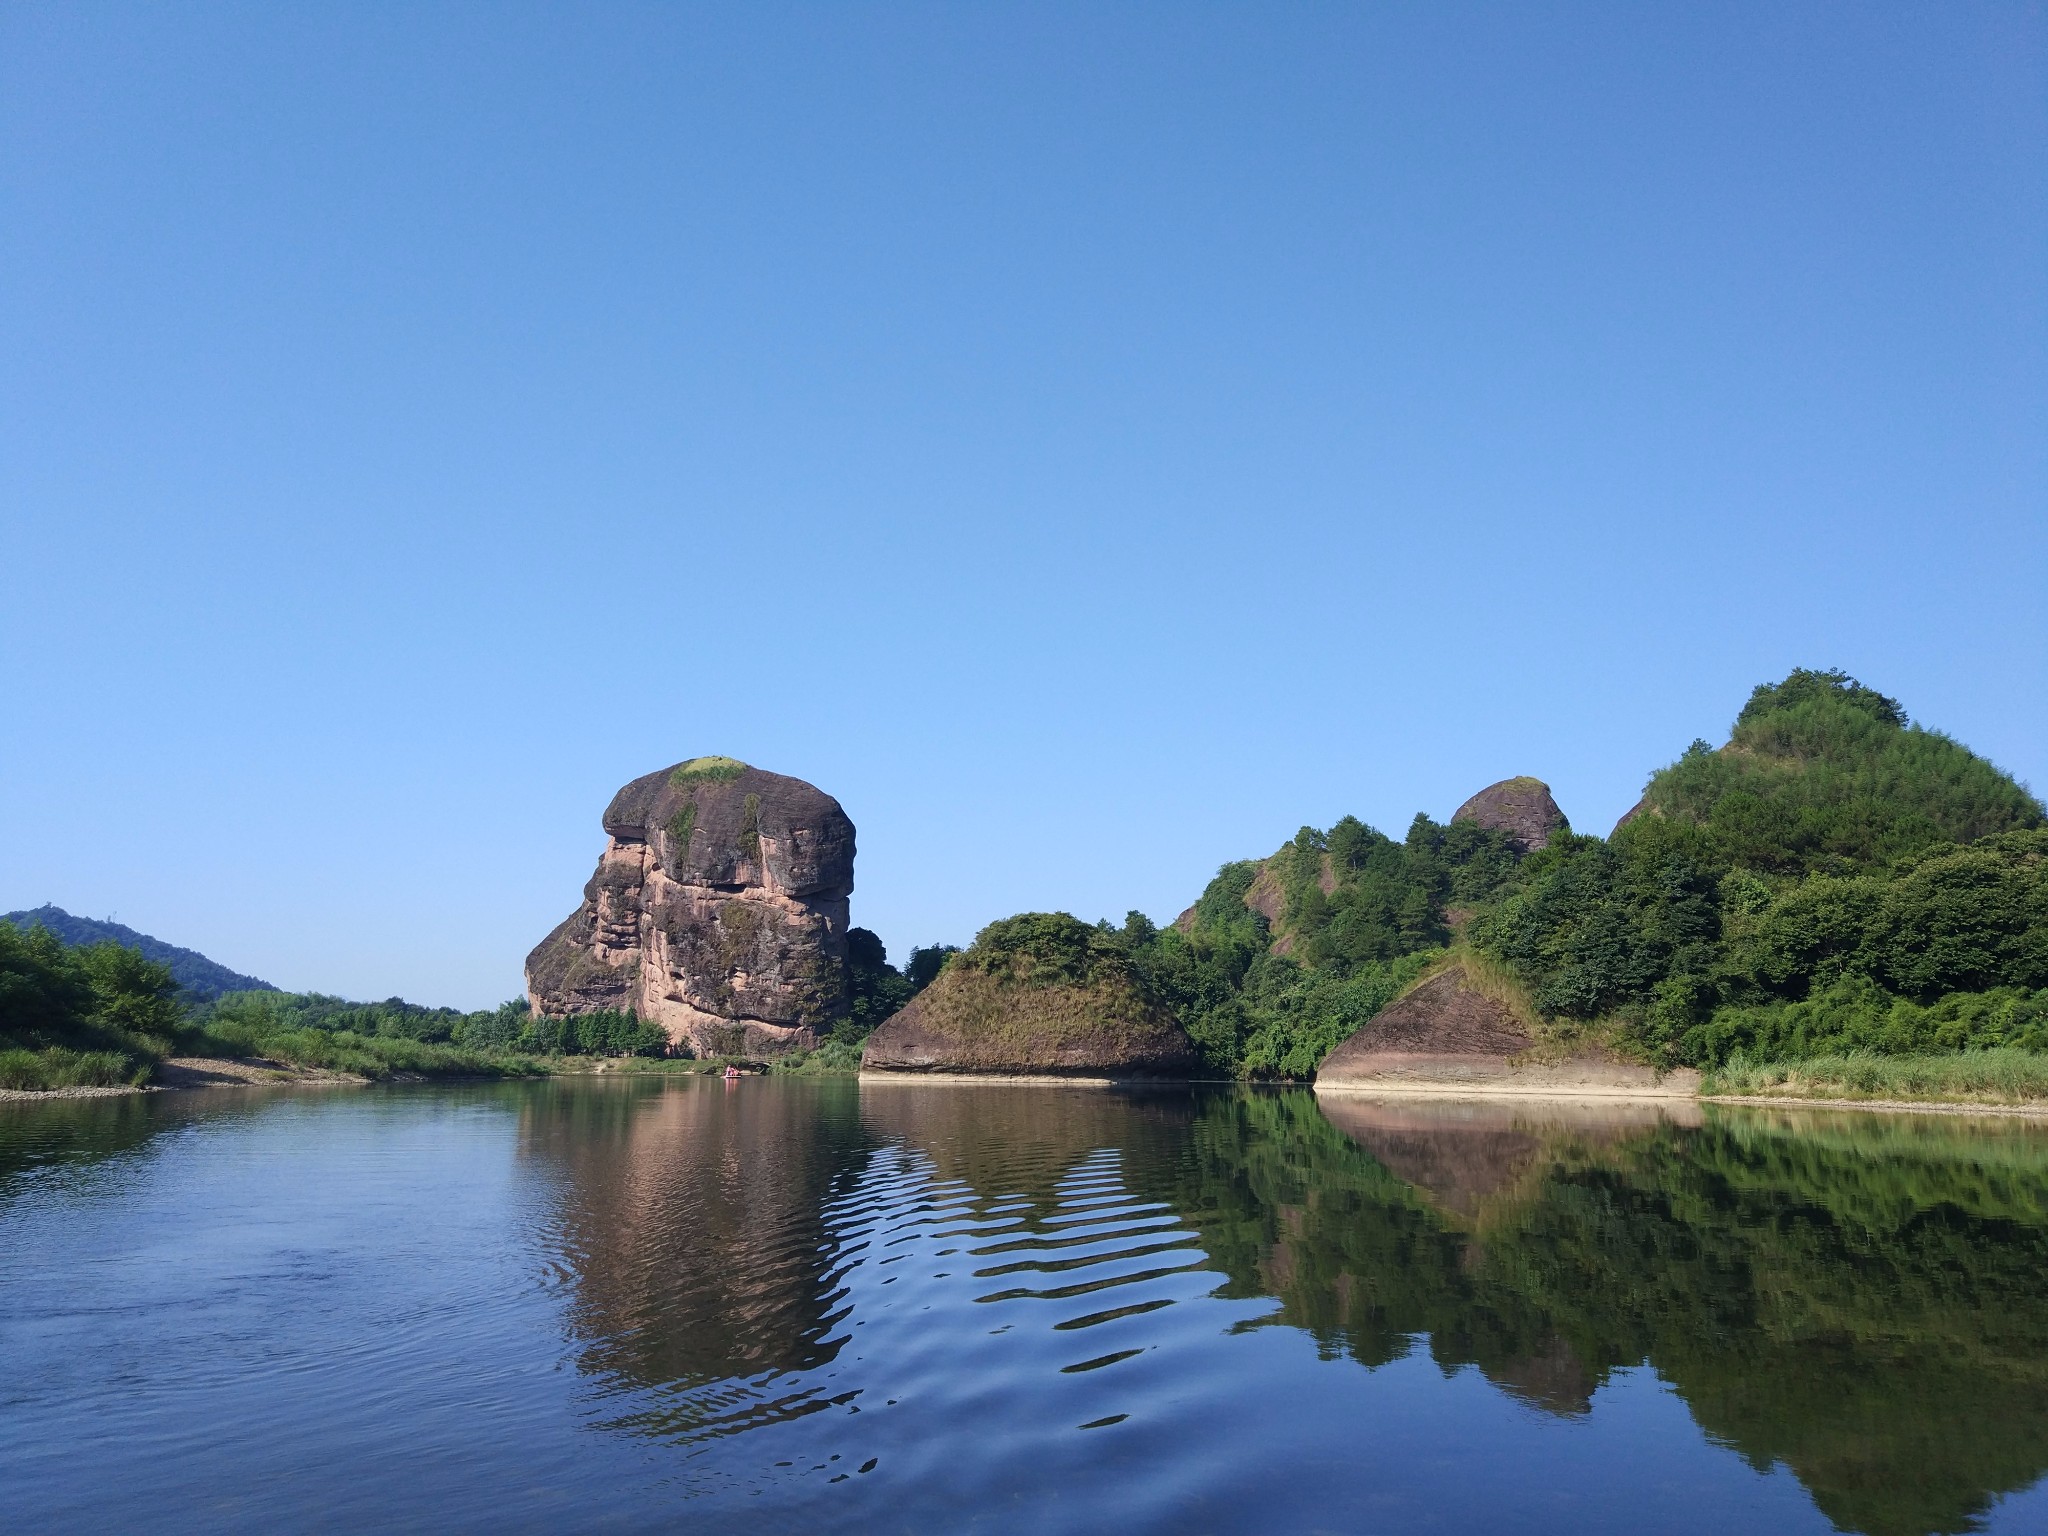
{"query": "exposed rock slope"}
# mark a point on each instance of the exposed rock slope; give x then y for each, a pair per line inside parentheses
(718, 911)
(1448, 1036)
(1520, 807)
(1035, 995)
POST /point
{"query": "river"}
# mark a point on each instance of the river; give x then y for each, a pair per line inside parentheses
(823, 1305)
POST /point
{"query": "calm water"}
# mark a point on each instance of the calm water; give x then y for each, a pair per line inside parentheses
(827, 1306)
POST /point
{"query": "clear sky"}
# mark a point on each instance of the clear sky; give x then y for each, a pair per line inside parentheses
(1090, 441)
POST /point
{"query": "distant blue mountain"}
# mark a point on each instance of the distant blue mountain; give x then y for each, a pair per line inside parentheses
(201, 978)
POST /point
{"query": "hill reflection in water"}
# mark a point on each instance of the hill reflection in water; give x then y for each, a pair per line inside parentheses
(1858, 1299)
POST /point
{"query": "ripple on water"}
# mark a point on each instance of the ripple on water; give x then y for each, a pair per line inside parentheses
(903, 1265)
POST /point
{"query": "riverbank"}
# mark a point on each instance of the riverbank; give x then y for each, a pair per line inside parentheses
(1815, 1085)
(178, 1074)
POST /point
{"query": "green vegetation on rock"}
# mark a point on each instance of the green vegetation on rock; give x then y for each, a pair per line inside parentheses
(1038, 992)
(713, 770)
(680, 826)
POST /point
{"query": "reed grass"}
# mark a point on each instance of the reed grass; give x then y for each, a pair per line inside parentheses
(56, 1067)
(371, 1056)
(2001, 1075)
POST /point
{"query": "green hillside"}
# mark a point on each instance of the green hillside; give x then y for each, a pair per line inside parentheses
(1834, 879)
(199, 979)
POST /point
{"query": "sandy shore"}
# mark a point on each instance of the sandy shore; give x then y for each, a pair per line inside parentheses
(995, 1079)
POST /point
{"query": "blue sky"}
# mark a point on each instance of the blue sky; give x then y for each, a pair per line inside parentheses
(1091, 441)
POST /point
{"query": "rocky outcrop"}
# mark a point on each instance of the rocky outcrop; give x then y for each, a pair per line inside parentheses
(1447, 1036)
(718, 911)
(1444, 1029)
(1520, 807)
(1038, 996)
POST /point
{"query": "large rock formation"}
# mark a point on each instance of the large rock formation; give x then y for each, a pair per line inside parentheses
(1520, 807)
(1036, 995)
(718, 911)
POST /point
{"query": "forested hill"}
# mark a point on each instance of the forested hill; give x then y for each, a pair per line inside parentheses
(1833, 878)
(198, 977)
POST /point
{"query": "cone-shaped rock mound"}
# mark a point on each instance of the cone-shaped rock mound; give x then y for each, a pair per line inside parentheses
(1442, 1029)
(1521, 807)
(718, 911)
(1447, 1035)
(1041, 994)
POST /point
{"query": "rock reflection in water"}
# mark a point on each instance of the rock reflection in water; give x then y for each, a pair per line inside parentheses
(693, 1216)
(1013, 1142)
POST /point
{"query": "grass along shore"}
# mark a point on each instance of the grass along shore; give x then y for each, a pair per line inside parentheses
(1999, 1077)
(315, 1055)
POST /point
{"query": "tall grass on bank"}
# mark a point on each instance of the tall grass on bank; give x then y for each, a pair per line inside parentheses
(56, 1067)
(2003, 1075)
(371, 1056)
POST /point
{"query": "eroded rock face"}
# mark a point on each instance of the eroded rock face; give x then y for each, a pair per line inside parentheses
(1520, 807)
(718, 911)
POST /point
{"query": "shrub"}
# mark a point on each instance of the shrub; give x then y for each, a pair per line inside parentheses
(1045, 949)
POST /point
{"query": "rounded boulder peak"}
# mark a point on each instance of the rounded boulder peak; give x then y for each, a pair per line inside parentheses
(721, 822)
(1520, 807)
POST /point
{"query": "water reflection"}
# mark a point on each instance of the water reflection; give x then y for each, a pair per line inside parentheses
(1858, 1299)
(1185, 1309)
(694, 1221)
